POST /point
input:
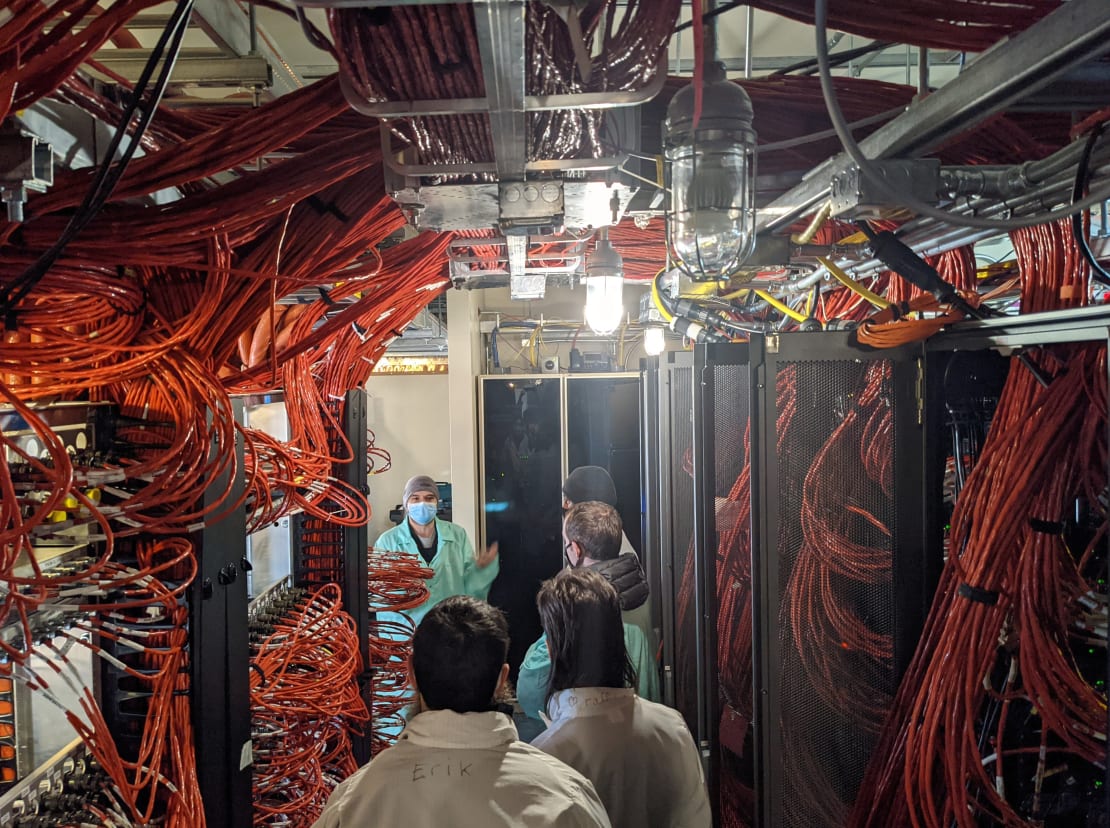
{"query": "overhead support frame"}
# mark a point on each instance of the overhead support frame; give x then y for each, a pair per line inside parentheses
(499, 25)
(1076, 32)
(230, 27)
(193, 70)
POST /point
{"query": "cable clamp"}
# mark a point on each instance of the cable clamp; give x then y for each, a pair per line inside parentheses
(982, 596)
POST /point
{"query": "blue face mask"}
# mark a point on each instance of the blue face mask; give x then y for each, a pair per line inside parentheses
(422, 513)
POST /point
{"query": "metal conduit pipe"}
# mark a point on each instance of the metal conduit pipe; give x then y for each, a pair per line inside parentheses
(928, 237)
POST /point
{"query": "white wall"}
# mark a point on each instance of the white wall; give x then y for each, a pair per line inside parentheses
(464, 351)
(410, 419)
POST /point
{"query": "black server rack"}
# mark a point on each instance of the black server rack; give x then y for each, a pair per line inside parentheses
(838, 607)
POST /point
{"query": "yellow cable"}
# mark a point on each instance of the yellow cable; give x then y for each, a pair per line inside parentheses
(782, 307)
(819, 218)
(853, 285)
(655, 298)
(735, 294)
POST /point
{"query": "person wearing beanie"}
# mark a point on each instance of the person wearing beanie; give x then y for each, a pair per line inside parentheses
(443, 547)
(588, 483)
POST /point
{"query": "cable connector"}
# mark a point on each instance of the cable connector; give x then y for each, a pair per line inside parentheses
(695, 331)
(714, 320)
(900, 258)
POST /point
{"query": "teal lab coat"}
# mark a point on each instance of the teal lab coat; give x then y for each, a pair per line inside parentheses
(531, 684)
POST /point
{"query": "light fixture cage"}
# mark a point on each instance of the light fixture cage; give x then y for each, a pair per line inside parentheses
(711, 224)
(604, 282)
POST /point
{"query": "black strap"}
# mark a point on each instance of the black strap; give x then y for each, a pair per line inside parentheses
(1047, 527)
(322, 207)
(982, 596)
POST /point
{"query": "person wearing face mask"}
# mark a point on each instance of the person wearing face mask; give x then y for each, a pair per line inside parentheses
(592, 540)
(443, 546)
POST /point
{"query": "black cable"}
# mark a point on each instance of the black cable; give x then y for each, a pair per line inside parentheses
(1082, 174)
(314, 35)
(709, 15)
(838, 59)
(867, 166)
(901, 259)
(109, 173)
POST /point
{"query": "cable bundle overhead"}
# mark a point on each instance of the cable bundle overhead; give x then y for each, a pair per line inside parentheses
(375, 57)
(43, 44)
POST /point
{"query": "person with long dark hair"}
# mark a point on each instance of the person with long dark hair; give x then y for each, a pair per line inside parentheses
(639, 754)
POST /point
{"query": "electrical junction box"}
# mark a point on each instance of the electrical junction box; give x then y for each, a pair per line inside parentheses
(854, 195)
(550, 365)
(590, 363)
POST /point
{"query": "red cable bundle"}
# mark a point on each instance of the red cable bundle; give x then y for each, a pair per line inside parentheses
(42, 44)
(305, 698)
(395, 582)
(967, 25)
(1011, 600)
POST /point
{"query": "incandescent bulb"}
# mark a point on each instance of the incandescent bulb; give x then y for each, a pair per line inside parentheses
(655, 340)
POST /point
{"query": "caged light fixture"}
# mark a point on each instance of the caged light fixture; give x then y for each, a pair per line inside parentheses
(604, 287)
(711, 227)
(655, 340)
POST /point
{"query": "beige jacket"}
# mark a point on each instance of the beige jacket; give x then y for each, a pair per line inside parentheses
(639, 755)
(464, 770)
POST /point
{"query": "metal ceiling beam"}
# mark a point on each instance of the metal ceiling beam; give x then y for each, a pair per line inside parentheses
(532, 103)
(77, 139)
(229, 27)
(192, 68)
(499, 27)
(1076, 32)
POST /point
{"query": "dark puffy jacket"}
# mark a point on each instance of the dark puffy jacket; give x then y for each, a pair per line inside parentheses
(627, 577)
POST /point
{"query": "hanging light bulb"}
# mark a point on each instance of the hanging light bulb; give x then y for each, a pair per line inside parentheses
(655, 340)
(604, 287)
(711, 227)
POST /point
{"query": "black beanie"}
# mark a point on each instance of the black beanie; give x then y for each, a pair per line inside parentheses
(590, 483)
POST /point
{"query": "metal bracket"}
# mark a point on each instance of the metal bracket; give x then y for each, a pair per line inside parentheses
(26, 163)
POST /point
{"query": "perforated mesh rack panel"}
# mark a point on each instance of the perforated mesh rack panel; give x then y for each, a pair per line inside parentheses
(833, 510)
(731, 484)
(840, 565)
